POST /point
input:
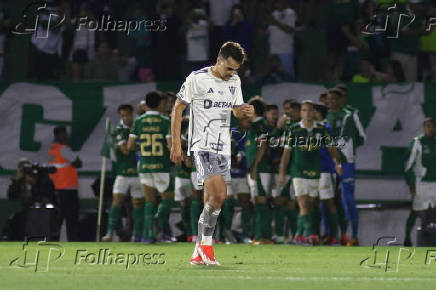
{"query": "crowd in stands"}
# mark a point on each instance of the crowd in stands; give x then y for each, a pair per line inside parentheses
(286, 40)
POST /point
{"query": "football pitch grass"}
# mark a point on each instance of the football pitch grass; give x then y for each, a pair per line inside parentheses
(166, 266)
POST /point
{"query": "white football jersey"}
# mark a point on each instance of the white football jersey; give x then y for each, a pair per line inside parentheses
(211, 100)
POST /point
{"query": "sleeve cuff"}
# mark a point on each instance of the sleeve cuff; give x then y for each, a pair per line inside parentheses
(183, 101)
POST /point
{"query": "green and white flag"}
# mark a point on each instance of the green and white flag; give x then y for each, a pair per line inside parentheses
(108, 149)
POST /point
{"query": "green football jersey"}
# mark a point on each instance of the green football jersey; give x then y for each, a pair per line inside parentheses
(346, 124)
(258, 131)
(421, 164)
(305, 145)
(151, 130)
(279, 136)
(126, 165)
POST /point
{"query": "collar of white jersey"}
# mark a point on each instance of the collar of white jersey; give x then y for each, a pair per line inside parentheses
(313, 125)
(153, 113)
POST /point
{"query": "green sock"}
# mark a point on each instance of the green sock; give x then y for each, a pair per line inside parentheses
(114, 217)
(195, 215)
(316, 220)
(186, 219)
(163, 213)
(292, 215)
(138, 221)
(279, 220)
(259, 216)
(246, 222)
(148, 220)
(307, 224)
(267, 223)
(227, 213)
(332, 220)
(411, 219)
(300, 226)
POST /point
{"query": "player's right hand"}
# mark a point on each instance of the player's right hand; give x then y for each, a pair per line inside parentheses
(176, 155)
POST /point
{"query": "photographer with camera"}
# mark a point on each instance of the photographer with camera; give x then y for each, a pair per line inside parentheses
(31, 184)
(33, 188)
(65, 180)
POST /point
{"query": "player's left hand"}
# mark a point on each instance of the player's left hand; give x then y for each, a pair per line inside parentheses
(339, 169)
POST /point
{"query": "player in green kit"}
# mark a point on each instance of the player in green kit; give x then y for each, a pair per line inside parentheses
(260, 177)
(303, 141)
(183, 186)
(152, 132)
(421, 174)
(126, 179)
(284, 197)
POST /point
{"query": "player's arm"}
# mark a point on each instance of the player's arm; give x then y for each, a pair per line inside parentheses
(336, 158)
(123, 148)
(176, 124)
(259, 155)
(131, 143)
(284, 161)
(410, 165)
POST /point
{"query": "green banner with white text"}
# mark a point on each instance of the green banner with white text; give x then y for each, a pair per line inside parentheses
(391, 114)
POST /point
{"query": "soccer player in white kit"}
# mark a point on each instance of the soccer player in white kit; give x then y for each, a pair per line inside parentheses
(212, 94)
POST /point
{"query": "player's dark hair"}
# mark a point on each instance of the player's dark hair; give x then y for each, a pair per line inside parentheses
(308, 102)
(337, 92)
(259, 107)
(321, 109)
(233, 50)
(58, 130)
(288, 101)
(170, 94)
(322, 96)
(125, 107)
(153, 99)
(342, 87)
(296, 105)
(271, 107)
(430, 120)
